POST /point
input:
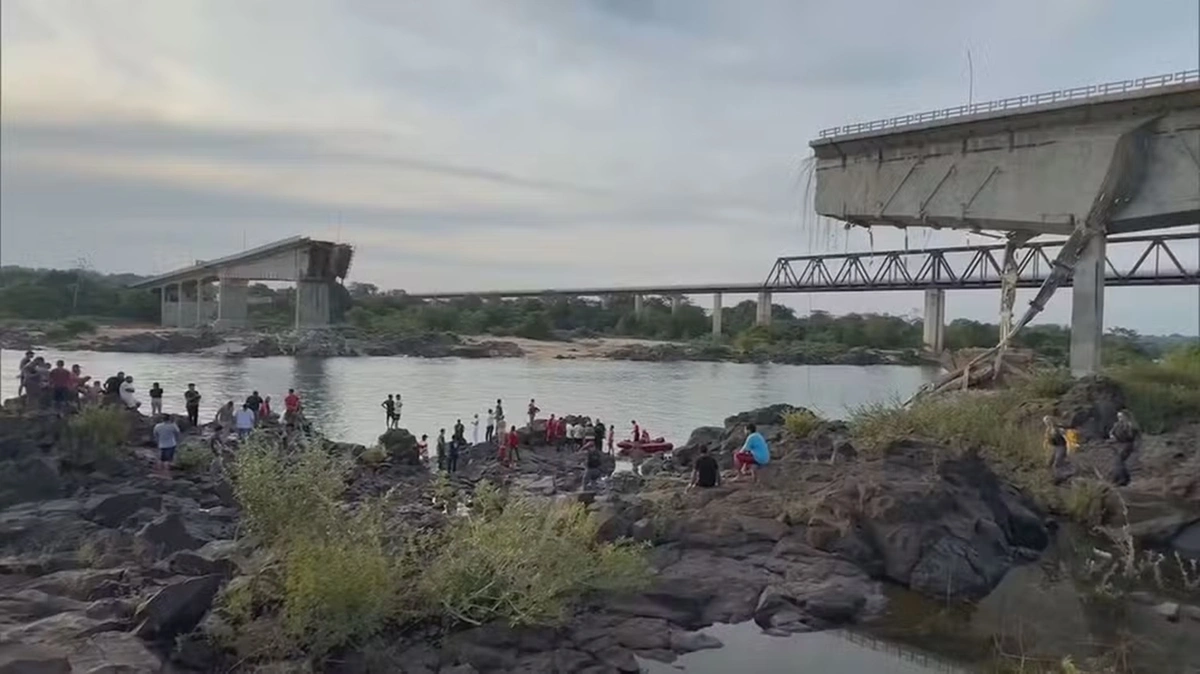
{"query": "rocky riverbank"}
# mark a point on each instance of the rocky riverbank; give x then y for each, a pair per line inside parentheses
(349, 342)
(103, 568)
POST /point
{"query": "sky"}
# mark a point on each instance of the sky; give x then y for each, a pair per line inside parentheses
(485, 144)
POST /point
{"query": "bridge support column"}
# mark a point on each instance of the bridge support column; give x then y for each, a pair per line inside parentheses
(231, 303)
(1087, 308)
(676, 303)
(186, 317)
(312, 304)
(763, 316)
(935, 319)
(639, 307)
(716, 315)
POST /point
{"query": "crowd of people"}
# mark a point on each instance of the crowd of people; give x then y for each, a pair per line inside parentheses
(63, 389)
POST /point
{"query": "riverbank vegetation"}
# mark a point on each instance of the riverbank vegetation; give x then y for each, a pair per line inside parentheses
(1005, 426)
(333, 574)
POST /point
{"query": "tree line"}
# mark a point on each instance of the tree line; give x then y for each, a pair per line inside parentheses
(51, 294)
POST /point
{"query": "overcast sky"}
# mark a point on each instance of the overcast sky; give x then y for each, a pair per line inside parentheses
(514, 143)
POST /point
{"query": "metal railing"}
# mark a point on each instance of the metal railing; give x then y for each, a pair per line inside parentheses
(977, 267)
(1016, 102)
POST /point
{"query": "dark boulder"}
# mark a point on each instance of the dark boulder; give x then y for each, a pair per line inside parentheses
(401, 447)
(176, 608)
(111, 510)
(166, 535)
(1090, 406)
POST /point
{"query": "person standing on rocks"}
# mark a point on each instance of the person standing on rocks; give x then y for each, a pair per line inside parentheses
(127, 395)
(753, 455)
(166, 435)
(1125, 433)
(191, 403)
(551, 426)
(244, 421)
(514, 445)
(501, 429)
(490, 430)
(264, 410)
(112, 387)
(423, 449)
(1056, 443)
(705, 473)
(291, 407)
(499, 411)
(441, 449)
(598, 433)
(452, 456)
(612, 431)
(60, 385)
(399, 408)
(475, 430)
(156, 397)
(532, 411)
(254, 402)
(389, 411)
(25, 361)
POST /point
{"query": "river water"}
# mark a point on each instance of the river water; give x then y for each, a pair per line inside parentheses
(342, 396)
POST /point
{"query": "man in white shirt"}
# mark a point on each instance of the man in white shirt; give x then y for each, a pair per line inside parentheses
(166, 434)
(490, 431)
(244, 422)
(475, 430)
(126, 394)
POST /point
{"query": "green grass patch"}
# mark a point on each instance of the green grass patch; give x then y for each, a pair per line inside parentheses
(194, 459)
(802, 422)
(97, 433)
(339, 575)
(1163, 395)
(525, 562)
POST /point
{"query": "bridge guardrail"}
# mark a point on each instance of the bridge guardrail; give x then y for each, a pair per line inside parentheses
(1016, 102)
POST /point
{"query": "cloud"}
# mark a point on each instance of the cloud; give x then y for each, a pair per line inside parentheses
(463, 143)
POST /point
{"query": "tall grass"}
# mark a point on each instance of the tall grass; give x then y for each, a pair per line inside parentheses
(340, 575)
(1165, 394)
(524, 562)
(97, 433)
(802, 422)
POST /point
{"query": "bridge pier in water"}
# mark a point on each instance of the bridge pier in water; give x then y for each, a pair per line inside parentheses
(232, 300)
(639, 306)
(312, 304)
(763, 315)
(1087, 308)
(716, 315)
(935, 320)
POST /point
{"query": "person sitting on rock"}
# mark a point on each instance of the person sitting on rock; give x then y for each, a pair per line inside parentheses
(753, 454)
(706, 473)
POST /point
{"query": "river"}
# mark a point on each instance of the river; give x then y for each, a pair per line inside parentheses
(342, 396)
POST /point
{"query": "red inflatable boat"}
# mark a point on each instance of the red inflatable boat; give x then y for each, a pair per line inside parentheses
(655, 446)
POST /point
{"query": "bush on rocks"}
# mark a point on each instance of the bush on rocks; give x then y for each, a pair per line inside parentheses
(525, 561)
(97, 433)
(802, 422)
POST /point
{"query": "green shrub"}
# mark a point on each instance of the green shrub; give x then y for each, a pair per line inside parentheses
(97, 433)
(524, 564)
(1084, 501)
(288, 496)
(1163, 395)
(373, 456)
(996, 422)
(194, 458)
(1049, 383)
(802, 422)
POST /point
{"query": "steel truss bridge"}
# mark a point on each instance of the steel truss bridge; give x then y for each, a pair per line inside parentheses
(1157, 260)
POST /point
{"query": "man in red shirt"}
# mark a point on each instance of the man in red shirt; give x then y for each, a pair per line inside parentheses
(291, 406)
(60, 384)
(514, 444)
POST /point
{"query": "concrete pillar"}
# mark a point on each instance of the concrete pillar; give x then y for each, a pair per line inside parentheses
(162, 305)
(764, 308)
(172, 301)
(935, 319)
(638, 307)
(716, 315)
(1087, 309)
(200, 303)
(676, 303)
(231, 303)
(312, 304)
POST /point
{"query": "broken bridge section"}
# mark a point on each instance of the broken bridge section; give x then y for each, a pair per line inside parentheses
(216, 291)
(1084, 162)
